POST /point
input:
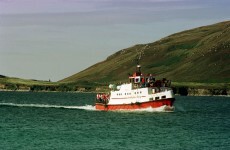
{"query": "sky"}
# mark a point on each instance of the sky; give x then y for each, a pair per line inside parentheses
(54, 39)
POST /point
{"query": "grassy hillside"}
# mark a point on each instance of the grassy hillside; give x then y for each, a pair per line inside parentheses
(17, 84)
(11, 83)
(192, 59)
(11, 80)
(198, 55)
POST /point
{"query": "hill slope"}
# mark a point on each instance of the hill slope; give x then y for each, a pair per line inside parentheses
(11, 83)
(198, 55)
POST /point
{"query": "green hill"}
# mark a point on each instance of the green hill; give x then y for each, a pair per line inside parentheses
(197, 55)
(11, 83)
(17, 84)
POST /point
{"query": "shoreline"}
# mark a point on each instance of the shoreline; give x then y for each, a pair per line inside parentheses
(176, 94)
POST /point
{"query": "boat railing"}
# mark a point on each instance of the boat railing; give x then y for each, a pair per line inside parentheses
(102, 98)
(160, 89)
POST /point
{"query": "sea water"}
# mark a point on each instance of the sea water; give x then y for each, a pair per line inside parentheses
(35, 121)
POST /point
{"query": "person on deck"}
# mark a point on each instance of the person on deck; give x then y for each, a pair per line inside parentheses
(143, 82)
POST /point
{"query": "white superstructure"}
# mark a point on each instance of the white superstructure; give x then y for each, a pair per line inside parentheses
(127, 94)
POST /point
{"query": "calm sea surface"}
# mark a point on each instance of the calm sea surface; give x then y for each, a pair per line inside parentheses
(69, 121)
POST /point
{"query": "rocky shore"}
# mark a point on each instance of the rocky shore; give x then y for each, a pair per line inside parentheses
(178, 90)
(188, 91)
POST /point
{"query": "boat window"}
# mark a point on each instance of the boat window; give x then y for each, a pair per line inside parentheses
(156, 98)
(163, 96)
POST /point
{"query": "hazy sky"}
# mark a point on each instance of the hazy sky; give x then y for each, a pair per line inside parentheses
(53, 39)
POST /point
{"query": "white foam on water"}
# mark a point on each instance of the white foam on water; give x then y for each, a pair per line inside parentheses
(149, 109)
(89, 107)
(86, 107)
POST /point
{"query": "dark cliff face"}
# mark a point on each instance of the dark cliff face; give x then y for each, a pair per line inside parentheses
(197, 55)
(208, 92)
(188, 91)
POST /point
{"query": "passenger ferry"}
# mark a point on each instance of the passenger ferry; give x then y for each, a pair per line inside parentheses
(142, 92)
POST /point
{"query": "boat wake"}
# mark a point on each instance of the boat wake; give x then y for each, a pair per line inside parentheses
(86, 107)
(150, 109)
(89, 107)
